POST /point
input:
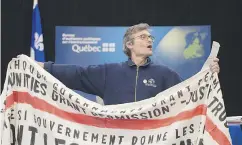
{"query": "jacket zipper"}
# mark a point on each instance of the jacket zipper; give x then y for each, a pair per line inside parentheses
(136, 81)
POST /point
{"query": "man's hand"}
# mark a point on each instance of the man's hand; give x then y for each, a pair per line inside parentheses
(214, 67)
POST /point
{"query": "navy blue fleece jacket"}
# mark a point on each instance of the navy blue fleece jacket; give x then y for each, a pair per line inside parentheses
(116, 83)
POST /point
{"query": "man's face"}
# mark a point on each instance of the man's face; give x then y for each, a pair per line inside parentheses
(142, 44)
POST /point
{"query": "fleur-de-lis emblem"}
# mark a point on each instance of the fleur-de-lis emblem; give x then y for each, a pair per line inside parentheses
(38, 41)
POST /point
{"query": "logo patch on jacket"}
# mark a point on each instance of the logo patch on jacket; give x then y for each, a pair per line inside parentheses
(149, 82)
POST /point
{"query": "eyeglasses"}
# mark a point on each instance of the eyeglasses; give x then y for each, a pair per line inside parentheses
(145, 37)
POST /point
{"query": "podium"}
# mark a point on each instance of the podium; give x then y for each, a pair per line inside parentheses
(235, 129)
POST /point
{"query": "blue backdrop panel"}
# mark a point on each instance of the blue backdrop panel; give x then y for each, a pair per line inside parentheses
(184, 49)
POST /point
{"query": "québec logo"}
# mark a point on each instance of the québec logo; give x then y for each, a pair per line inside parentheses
(86, 48)
(105, 47)
(108, 47)
(38, 41)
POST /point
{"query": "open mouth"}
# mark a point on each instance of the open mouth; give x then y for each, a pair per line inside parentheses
(149, 46)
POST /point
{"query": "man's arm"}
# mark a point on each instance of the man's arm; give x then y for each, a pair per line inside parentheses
(89, 80)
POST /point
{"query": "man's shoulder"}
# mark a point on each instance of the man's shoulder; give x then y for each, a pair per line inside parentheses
(114, 65)
(107, 65)
(162, 68)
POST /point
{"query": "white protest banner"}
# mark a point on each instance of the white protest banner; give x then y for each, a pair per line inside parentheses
(37, 109)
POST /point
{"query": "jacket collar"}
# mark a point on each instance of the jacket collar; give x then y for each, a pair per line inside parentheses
(131, 63)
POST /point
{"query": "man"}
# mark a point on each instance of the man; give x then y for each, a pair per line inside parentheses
(134, 80)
